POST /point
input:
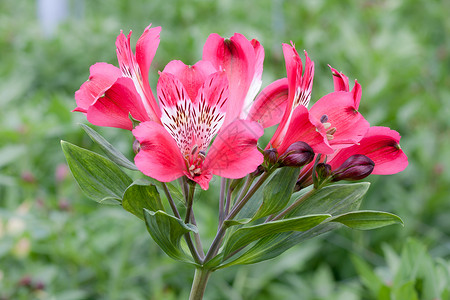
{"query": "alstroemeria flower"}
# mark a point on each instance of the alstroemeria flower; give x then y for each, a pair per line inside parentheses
(194, 103)
(296, 123)
(112, 94)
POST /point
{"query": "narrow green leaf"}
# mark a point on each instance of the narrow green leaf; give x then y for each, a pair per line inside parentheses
(167, 231)
(244, 236)
(110, 151)
(334, 200)
(367, 219)
(98, 177)
(141, 194)
(229, 223)
(278, 191)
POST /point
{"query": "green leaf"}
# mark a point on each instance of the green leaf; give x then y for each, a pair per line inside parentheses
(98, 177)
(367, 219)
(141, 195)
(167, 231)
(114, 154)
(229, 223)
(278, 191)
(334, 200)
(244, 236)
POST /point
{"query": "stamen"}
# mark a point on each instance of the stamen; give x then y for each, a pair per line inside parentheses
(326, 125)
(331, 131)
(323, 119)
(194, 149)
(330, 137)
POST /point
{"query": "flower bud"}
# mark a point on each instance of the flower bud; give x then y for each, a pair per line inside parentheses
(356, 167)
(323, 170)
(271, 156)
(298, 154)
(136, 146)
(259, 170)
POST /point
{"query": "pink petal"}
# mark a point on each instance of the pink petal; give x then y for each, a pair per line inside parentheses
(341, 84)
(129, 66)
(356, 93)
(270, 105)
(381, 145)
(114, 107)
(300, 85)
(210, 108)
(302, 129)
(233, 153)
(349, 123)
(159, 157)
(192, 77)
(236, 56)
(102, 76)
(177, 110)
(146, 47)
(256, 81)
(340, 81)
(203, 179)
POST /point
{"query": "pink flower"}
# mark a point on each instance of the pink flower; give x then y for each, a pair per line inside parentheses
(285, 101)
(195, 101)
(112, 94)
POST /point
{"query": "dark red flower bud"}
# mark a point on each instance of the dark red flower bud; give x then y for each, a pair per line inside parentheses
(323, 170)
(356, 167)
(271, 156)
(259, 170)
(298, 154)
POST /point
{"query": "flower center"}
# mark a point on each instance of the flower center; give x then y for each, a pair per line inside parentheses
(194, 161)
(330, 131)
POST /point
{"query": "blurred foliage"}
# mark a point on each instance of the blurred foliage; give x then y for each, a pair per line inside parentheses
(56, 244)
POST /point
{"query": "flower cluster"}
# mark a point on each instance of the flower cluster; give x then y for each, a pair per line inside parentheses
(209, 116)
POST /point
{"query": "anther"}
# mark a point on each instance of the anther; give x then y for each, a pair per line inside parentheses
(331, 131)
(194, 149)
(323, 118)
(202, 154)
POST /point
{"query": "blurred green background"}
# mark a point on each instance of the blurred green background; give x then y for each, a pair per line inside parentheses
(57, 244)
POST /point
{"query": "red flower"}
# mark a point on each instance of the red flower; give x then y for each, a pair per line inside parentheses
(285, 101)
(111, 94)
(194, 102)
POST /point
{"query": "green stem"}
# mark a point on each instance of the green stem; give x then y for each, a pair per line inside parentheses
(201, 277)
(170, 199)
(223, 184)
(234, 211)
(187, 219)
